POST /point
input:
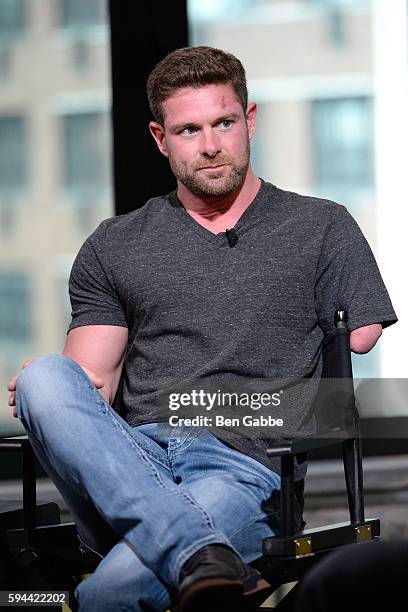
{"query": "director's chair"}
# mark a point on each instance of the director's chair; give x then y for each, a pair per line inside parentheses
(291, 553)
(38, 552)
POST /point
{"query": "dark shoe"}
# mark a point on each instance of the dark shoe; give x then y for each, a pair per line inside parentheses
(256, 589)
(216, 579)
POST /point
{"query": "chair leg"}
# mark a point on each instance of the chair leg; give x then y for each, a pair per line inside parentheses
(287, 496)
(353, 472)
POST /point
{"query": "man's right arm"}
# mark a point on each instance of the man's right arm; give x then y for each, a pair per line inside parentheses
(100, 351)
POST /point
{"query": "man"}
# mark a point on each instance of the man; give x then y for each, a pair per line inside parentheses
(229, 280)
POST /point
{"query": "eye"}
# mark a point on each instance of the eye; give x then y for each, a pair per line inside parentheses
(226, 123)
(189, 130)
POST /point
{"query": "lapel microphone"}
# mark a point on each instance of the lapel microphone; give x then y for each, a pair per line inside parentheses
(232, 237)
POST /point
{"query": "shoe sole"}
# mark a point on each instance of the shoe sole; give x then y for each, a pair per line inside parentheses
(215, 595)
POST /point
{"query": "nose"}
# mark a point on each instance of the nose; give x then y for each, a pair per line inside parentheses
(209, 144)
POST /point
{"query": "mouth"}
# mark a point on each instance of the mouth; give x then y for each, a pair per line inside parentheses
(209, 168)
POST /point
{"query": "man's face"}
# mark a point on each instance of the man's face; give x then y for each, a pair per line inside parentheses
(206, 138)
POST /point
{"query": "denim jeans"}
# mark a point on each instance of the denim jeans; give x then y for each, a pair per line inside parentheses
(147, 497)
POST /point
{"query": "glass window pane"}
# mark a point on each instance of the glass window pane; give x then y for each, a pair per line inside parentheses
(343, 137)
(15, 324)
(85, 148)
(82, 13)
(11, 16)
(218, 8)
(13, 154)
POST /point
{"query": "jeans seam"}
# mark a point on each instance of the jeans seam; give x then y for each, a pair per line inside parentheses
(187, 442)
(177, 449)
(174, 445)
(109, 410)
(208, 522)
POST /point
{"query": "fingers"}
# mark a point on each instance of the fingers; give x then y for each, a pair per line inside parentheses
(95, 378)
(27, 362)
(98, 382)
(11, 385)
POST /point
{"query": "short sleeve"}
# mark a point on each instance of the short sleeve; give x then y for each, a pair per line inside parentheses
(94, 299)
(348, 277)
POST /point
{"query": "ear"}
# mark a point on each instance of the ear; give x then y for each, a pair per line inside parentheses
(157, 131)
(250, 116)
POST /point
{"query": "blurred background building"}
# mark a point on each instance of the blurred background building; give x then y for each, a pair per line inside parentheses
(55, 165)
(330, 78)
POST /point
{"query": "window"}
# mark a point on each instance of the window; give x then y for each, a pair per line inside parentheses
(85, 156)
(15, 327)
(213, 9)
(343, 142)
(13, 155)
(11, 17)
(80, 13)
(339, 3)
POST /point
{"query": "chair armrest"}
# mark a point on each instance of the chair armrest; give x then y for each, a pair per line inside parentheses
(17, 443)
(297, 446)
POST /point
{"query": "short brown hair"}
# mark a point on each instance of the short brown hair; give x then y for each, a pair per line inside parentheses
(194, 67)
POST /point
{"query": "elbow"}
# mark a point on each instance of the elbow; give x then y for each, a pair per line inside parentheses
(363, 339)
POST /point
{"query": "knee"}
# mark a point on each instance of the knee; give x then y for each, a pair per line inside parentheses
(43, 383)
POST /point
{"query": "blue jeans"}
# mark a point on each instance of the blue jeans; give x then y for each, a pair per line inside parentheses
(146, 497)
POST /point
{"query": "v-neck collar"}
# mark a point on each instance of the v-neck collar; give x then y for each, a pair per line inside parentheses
(251, 215)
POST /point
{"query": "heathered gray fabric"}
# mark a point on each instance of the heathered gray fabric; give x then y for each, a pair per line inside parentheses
(197, 308)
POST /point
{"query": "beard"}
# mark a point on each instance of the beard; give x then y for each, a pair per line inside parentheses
(218, 184)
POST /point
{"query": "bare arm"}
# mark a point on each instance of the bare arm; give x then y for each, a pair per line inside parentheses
(364, 338)
(100, 351)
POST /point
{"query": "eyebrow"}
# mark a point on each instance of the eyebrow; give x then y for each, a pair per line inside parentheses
(182, 126)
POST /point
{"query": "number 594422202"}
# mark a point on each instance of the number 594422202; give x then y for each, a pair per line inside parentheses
(33, 598)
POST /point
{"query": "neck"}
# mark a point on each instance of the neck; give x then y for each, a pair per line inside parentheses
(220, 210)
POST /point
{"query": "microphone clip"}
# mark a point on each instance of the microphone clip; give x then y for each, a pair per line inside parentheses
(232, 237)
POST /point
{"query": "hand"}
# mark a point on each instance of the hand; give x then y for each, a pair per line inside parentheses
(11, 386)
(98, 382)
(95, 379)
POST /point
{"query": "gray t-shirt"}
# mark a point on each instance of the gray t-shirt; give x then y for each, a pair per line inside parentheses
(201, 311)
